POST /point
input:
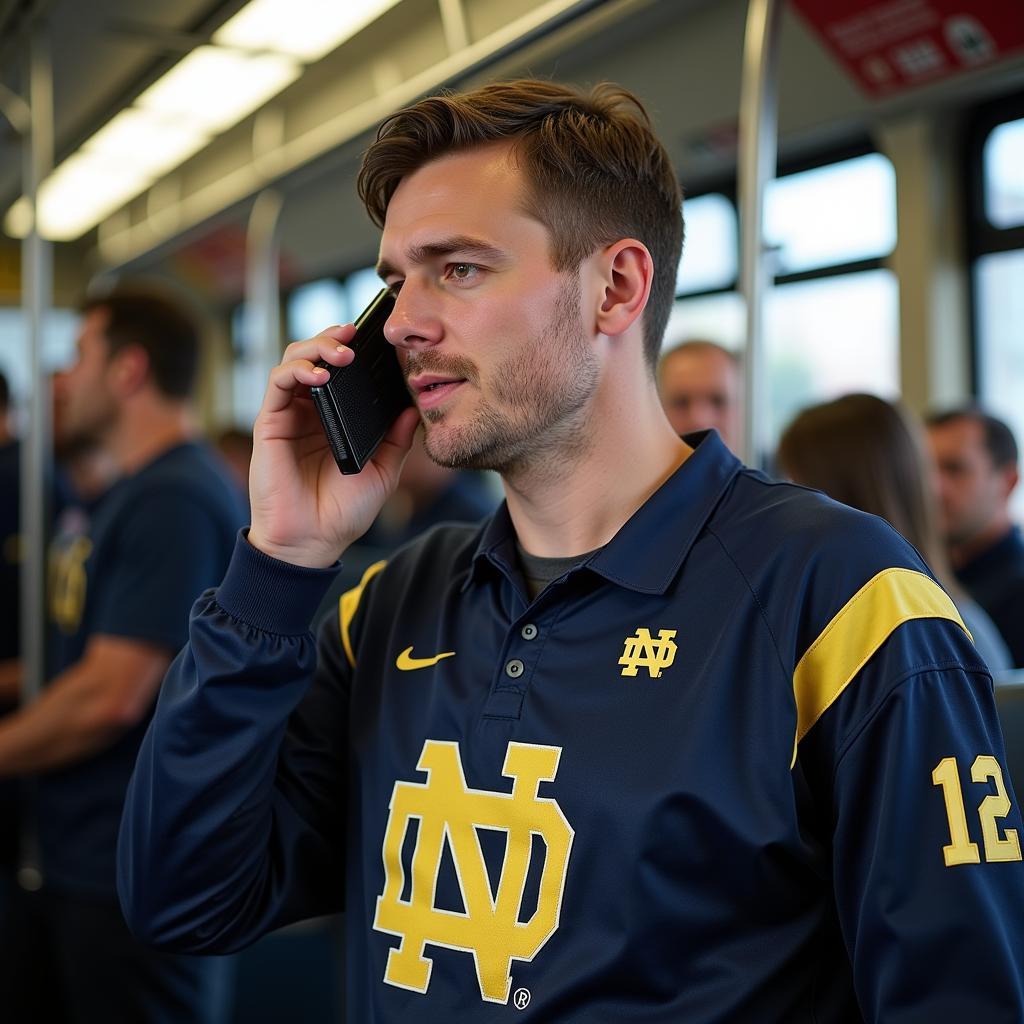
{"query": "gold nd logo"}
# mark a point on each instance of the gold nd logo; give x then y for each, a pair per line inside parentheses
(68, 584)
(643, 651)
(449, 812)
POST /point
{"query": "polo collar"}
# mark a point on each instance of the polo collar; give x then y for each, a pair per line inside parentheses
(648, 551)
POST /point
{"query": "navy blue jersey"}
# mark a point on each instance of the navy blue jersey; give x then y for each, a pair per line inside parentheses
(130, 567)
(742, 764)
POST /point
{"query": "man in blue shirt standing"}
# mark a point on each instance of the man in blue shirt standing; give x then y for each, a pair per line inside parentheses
(121, 583)
(976, 458)
(661, 741)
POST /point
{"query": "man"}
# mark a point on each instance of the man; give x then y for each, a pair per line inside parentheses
(976, 458)
(700, 387)
(120, 591)
(660, 741)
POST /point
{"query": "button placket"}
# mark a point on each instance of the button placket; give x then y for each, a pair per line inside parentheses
(514, 674)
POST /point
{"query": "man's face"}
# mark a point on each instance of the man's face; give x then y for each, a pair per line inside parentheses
(85, 407)
(700, 389)
(490, 336)
(972, 492)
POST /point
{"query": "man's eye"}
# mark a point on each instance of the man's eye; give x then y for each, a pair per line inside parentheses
(462, 271)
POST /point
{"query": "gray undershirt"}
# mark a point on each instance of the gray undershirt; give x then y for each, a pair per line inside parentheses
(539, 572)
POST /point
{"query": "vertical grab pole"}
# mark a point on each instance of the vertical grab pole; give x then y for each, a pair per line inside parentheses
(758, 148)
(37, 298)
(262, 316)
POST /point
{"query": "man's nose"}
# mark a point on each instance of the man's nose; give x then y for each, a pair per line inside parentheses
(415, 321)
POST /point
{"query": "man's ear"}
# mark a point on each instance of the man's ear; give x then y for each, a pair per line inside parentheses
(129, 368)
(1010, 476)
(627, 270)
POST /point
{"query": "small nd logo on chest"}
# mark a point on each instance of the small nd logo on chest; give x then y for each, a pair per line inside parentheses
(644, 651)
(450, 813)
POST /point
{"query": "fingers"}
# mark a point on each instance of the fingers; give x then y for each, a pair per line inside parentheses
(298, 365)
(323, 346)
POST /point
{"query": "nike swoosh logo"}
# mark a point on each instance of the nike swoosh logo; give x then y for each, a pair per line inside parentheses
(407, 663)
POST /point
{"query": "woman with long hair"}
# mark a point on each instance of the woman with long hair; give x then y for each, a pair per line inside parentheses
(869, 454)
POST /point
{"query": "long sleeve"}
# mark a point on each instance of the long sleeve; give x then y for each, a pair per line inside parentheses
(233, 818)
(927, 865)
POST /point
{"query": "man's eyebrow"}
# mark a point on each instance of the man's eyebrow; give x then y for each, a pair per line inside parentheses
(463, 244)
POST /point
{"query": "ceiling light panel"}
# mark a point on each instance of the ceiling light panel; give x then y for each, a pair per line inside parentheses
(260, 52)
(148, 141)
(18, 220)
(83, 190)
(216, 88)
(304, 29)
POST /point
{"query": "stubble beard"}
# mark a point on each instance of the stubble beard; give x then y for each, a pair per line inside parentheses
(87, 432)
(537, 414)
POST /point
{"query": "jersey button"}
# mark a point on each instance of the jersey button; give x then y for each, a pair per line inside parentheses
(514, 669)
(529, 632)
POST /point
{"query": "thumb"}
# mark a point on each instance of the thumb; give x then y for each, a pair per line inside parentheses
(395, 446)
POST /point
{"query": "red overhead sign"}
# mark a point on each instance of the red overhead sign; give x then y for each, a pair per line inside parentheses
(891, 45)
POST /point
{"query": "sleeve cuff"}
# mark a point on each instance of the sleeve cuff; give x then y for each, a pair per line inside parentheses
(274, 596)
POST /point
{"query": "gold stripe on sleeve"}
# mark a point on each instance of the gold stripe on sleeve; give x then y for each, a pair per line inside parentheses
(858, 629)
(348, 603)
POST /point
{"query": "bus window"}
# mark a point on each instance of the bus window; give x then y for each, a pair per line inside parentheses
(1000, 313)
(59, 328)
(997, 223)
(832, 319)
(829, 215)
(830, 336)
(1002, 161)
(314, 306)
(710, 253)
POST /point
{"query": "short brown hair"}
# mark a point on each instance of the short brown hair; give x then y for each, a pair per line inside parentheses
(596, 170)
(159, 325)
(998, 437)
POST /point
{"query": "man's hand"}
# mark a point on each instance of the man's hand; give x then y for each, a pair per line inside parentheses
(304, 510)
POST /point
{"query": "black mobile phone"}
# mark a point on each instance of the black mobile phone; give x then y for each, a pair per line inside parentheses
(359, 402)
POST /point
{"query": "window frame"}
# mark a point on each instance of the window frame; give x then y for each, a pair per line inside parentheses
(981, 236)
(727, 185)
(288, 293)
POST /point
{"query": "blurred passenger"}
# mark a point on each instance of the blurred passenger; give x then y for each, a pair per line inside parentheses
(701, 386)
(83, 468)
(235, 447)
(120, 593)
(976, 455)
(869, 454)
(82, 471)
